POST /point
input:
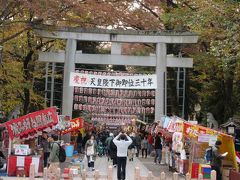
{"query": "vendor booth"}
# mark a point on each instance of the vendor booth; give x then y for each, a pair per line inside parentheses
(23, 133)
(190, 143)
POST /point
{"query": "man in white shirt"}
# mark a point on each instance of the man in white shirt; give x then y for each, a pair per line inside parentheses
(122, 141)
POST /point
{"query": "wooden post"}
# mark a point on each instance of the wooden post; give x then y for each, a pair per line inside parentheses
(84, 174)
(58, 173)
(97, 175)
(175, 176)
(70, 174)
(213, 175)
(163, 176)
(110, 173)
(150, 175)
(45, 174)
(188, 176)
(200, 176)
(137, 173)
(32, 172)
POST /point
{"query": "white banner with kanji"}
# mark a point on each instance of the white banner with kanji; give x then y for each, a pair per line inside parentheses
(115, 82)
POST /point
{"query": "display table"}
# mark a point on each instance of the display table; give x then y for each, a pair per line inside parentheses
(23, 163)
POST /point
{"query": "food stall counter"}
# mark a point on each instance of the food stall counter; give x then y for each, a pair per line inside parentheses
(20, 165)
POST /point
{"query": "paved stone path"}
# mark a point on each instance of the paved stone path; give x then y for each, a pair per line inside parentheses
(145, 166)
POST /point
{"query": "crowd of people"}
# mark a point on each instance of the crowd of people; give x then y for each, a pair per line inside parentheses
(116, 146)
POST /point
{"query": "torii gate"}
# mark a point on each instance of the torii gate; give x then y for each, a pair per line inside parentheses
(160, 60)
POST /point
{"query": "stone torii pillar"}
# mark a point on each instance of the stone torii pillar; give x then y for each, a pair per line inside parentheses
(69, 66)
(161, 71)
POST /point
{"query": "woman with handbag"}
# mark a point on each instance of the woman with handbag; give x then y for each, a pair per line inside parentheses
(91, 152)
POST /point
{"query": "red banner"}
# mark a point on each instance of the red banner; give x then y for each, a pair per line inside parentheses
(76, 124)
(32, 122)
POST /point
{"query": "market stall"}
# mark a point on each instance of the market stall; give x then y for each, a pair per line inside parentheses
(22, 140)
(188, 136)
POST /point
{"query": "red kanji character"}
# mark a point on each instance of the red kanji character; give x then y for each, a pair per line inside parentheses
(83, 80)
(76, 79)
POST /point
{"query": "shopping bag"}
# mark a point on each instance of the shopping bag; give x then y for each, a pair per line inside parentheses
(90, 151)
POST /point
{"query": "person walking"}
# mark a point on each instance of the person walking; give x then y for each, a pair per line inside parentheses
(137, 143)
(122, 141)
(79, 142)
(54, 157)
(150, 143)
(158, 149)
(144, 146)
(131, 148)
(216, 161)
(91, 152)
(113, 153)
(107, 144)
(45, 145)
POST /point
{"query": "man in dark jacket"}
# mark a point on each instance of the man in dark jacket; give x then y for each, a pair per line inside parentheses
(113, 153)
(79, 142)
(216, 162)
(46, 147)
(138, 143)
(158, 149)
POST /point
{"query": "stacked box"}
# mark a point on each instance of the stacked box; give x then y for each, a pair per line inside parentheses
(206, 171)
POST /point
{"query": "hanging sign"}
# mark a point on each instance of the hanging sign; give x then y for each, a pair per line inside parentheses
(212, 140)
(32, 122)
(116, 82)
(75, 124)
(203, 138)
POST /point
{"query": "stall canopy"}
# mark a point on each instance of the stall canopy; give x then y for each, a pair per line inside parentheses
(30, 124)
(176, 125)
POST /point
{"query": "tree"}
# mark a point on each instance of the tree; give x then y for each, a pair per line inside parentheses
(216, 66)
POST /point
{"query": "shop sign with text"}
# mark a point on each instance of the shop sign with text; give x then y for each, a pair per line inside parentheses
(75, 124)
(32, 122)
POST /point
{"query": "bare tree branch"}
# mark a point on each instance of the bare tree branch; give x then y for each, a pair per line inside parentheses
(149, 9)
(14, 35)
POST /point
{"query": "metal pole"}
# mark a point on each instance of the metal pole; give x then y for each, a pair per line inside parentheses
(52, 84)
(165, 113)
(178, 79)
(46, 82)
(184, 84)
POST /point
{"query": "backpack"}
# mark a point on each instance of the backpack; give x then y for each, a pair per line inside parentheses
(208, 154)
(61, 153)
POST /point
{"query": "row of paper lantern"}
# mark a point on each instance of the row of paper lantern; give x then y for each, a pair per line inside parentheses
(114, 101)
(114, 109)
(107, 73)
(122, 116)
(115, 121)
(114, 92)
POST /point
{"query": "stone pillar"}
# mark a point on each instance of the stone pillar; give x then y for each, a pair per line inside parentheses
(161, 72)
(69, 66)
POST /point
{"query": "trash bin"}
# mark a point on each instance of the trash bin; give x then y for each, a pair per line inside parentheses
(69, 150)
